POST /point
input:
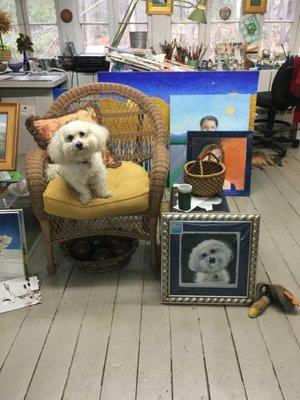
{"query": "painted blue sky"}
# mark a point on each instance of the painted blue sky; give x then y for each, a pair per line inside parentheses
(9, 225)
(3, 123)
(165, 84)
(231, 110)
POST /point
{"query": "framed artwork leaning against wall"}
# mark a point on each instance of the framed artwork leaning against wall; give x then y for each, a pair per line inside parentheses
(9, 132)
(209, 258)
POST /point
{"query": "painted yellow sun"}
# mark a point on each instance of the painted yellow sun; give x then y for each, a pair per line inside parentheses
(230, 110)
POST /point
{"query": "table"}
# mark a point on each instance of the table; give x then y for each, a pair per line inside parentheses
(222, 207)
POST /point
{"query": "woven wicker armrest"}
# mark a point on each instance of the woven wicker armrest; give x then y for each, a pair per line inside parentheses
(158, 177)
(35, 163)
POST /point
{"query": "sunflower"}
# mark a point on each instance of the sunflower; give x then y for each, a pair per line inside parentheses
(5, 26)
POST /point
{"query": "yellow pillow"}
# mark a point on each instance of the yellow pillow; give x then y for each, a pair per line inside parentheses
(129, 185)
(43, 129)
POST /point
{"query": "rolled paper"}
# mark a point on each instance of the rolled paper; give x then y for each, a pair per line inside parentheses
(258, 307)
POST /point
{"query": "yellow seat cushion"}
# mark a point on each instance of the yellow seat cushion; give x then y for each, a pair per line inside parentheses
(130, 194)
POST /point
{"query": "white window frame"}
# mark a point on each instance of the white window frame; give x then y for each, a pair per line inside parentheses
(159, 26)
(294, 32)
(202, 28)
(73, 31)
(23, 19)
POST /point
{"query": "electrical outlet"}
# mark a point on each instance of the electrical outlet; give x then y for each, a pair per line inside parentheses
(27, 110)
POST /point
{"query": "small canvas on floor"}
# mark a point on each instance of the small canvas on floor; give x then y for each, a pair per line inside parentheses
(13, 250)
(19, 293)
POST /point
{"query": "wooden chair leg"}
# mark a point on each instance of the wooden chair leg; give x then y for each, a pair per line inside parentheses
(51, 266)
(154, 256)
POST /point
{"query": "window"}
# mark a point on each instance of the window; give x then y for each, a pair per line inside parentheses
(138, 21)
(277, 25)
(93, 16)
(43, 27)
(182, 29)
(10, 39)
(228, 30)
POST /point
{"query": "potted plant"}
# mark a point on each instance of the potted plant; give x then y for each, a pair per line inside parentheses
(5, 27)
(24, 44)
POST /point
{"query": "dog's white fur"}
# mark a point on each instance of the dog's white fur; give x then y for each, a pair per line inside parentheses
(76, 149)
(4, 241)
(210, 260)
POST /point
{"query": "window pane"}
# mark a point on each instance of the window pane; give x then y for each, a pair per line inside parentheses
(95, 36)
(220, 33)
(93, 10)
(139, 14)
(234, 5)
(275, 34)
(131, 28)
(280, 10)
(40, 11)
(45, 40)
(181, 13)
(185, 33)
(9, 7)
(225, 33)
(10, 40)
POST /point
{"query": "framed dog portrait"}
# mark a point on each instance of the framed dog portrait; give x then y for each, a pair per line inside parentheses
(209, 258)
(233, 149)
(9, 131)
(162, 7)
(254, 6)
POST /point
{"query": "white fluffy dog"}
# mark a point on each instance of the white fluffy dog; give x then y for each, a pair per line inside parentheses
(76, 149)
(210, 260)
(5, 241)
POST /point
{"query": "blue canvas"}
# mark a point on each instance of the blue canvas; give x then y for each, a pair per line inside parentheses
(165, 84)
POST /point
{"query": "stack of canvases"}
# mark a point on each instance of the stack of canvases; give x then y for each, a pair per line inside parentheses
(207, 257)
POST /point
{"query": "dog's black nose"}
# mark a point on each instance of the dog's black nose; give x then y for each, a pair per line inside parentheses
(212, 260)
(79, 145)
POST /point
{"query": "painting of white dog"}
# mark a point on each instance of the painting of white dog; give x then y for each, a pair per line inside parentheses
(210, 260)
(77, 150)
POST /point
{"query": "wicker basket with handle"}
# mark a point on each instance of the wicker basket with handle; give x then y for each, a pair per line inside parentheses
(206, 176)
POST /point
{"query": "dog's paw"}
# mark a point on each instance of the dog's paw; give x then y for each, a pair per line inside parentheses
(84, 198)
(105, 194)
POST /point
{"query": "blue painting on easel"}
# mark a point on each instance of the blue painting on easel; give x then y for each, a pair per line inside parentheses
(165, 84)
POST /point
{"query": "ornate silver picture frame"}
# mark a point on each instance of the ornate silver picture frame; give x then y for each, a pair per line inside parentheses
(209, 258)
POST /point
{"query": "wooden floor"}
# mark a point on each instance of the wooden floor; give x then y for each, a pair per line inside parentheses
(109, 338)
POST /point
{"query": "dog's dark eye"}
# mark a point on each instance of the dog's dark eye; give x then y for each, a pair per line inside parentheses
(212, 251)
(203, 255)
(70, 138)
(81, 134)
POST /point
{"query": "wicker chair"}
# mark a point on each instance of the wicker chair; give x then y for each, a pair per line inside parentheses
(138, 134)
